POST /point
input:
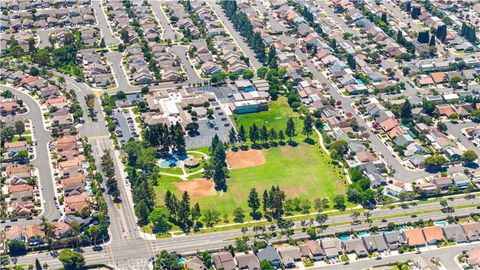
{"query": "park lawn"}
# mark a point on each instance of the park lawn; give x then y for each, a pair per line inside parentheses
(302, 171)
(165, 182)
(276, 117)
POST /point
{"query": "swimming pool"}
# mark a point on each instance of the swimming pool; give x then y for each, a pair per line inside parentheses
(362, 234)
(440, 223)
(248, 89)
(345, 237)
(85, 165)
(181, 261)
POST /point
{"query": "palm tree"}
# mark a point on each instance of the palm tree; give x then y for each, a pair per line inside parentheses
(367, 215)
(75, 230)
(354, 215)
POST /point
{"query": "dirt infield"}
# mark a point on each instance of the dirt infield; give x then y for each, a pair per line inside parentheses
(245, 159)
(197, 187)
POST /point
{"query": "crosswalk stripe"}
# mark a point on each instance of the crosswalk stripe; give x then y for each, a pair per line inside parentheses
(99, 137)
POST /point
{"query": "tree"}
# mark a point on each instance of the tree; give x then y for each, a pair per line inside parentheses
(211, 217)
(406, 111)
(166, 260)
(272, 57)
(124, 36)
(71, 260)
(266, 265)
(272, 134)
(290, 130)
(321, 218)
(159, 218)
(355, 215)
(232, 136)
(264, 134)
(432, 41)
(254, 133)
(238, 215)
(38, 266)
(339, 202)
(248, 74)
(442, 32)
(307, 126)
(423, 37)
(242, 134)
(16, 247)
(469, 156)
(254, 203)
(281, 136)
(435, 161)
(19, 127)
(145, 90)
(442, 126)
(367, 215)
(184, 220)
(384, 18)
(320, 204)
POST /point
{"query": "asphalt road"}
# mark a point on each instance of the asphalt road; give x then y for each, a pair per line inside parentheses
(168, 31)
(42, 159)
(181, 51)
(102, 22)
(456, 131)
(235, 35)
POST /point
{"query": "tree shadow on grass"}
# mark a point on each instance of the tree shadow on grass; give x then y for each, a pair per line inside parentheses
(309, 141)
(293, 143)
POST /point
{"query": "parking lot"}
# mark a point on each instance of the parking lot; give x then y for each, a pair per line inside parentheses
(125, 126)
(219, 124)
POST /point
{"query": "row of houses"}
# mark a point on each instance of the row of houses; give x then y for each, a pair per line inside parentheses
(89, 36)
(225, 55)
(96, 69)
(440, 77)
(330, 249)
(180, 19)
(71, 176)
(140, 70)
(21, 185)
(54, 99)
(34, 235)
(17, 5)
(46, 18)
(400, 137)
(434, 185)
(23, 38)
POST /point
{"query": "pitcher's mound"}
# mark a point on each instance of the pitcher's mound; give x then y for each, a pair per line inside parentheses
(245, 159)
(197, 188)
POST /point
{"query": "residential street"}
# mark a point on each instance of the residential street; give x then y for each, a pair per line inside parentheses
(168, 31)
(42, 159)
(102, 22)
(235, 35)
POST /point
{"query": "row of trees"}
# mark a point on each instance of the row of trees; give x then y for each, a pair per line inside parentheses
(108, 169)
(178, 212)
(166, 138)
(242, 23)
(265, 135)
(142, 174)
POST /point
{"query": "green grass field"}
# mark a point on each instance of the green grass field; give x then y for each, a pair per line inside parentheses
(303, 171)
(276, 117)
